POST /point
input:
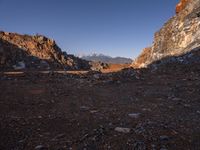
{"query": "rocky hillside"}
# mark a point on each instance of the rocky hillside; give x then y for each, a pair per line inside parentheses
(25, 51)
(179, 35)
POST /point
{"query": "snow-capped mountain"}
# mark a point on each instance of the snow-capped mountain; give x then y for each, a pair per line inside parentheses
(106, 59)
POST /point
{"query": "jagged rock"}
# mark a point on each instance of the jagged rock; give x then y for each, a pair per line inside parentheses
(179, 35)
(180, 6)
(189, 58)
(36, 52)
(98, 66)
(144, 56)
(19, 65)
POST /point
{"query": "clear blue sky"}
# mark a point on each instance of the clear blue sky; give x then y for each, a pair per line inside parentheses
(113, 27)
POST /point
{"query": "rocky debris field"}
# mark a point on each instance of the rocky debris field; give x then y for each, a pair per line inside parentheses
(148, 109)
(45, 106)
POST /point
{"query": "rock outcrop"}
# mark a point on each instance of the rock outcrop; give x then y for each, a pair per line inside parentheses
(25, 51)
(181, 5)
(179, 35)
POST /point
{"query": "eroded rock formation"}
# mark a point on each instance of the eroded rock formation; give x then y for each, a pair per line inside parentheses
(35, 52)
(181, 5)
(179, 35)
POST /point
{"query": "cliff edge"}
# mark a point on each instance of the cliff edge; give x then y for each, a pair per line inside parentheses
(179, 35)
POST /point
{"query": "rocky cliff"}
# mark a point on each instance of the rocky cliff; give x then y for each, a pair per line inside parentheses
(181, 5)
(25, 51)
(179, 35)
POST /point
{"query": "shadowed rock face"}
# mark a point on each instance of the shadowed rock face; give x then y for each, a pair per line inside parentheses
(179, 35)
(35, 51)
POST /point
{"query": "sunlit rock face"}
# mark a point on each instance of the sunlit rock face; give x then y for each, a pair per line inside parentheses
(143, 57)
(35, 51)
(179, 35)
(181, 5)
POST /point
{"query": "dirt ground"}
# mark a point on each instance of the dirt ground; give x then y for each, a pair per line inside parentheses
(62, 111)
(115, 67)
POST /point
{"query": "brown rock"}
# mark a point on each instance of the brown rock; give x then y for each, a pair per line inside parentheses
(142, 58)
(181, 5)
(179, 35)
(15, 48)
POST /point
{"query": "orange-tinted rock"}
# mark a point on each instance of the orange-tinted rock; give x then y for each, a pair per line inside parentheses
(35, 52)
(181, 5)
(138, 63)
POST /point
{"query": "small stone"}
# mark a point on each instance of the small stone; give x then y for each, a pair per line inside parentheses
(19, 66)
(21, 141)
(110, 124)
(93, 111)
(41, 147)
(122, 130)
(40, 117)
(164, 138)
(96, 76)
(84, 108)
(146, 109)
(176, 99)
(118, 82)
(186, 105)
(134, 115)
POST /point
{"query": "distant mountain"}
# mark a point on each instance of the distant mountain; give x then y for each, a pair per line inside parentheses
(106, 59)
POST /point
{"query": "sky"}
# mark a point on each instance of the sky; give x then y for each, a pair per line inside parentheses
(111, 27)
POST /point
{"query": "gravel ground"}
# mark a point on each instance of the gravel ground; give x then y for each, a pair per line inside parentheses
(153, 110)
